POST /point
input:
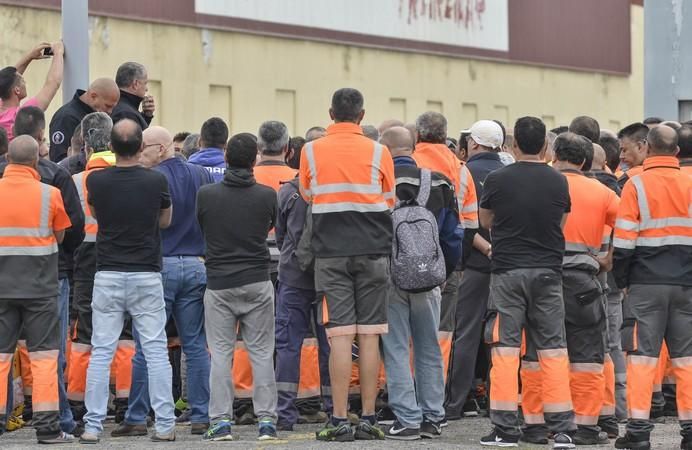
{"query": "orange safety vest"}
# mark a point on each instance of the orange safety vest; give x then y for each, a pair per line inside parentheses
(31, 212)
(438, 158)
(654, 225)
(594, 210)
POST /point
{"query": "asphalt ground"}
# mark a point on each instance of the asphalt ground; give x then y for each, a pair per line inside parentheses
(463, 434)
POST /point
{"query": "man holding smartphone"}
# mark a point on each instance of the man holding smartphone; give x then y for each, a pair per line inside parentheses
(13, 85)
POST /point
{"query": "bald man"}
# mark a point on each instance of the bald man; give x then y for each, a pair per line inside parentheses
(398, 140)
(184, 282)
(103, 94)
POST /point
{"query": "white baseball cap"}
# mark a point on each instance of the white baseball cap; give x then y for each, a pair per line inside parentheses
(486, 133)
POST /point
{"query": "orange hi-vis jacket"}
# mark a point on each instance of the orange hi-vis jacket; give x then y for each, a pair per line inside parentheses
(438, 158)
(273, 173)
(594, 209)
(631, 172)
(653, 231)
(31, 212)
(349, 179)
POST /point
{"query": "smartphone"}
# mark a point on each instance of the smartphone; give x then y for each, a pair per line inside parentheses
(47, 51)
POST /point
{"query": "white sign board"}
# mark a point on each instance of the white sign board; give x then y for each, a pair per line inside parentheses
(464, 23)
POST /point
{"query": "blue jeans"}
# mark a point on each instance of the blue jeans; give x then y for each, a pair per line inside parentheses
(67, 423)
(184, 281)
(295, 309)
(139, 294)
(414, 318)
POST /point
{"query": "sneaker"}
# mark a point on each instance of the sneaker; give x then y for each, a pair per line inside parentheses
(267, 431)
(443, 423)
(62, 438)
(89, 438)
(199, 428)
(125, 429)
(499, 439)
(318, 417)
(588, 437)
(385, 416)
(366, 431)
(629, 442)
(430, 429)
(163, 437)
(340, 433)
(220, 431)
(470, 408)
(401, 433)
(184, 418)
(563, 440)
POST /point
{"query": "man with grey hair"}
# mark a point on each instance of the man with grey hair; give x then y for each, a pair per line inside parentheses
(432, 153)
(31, 211)
(371, 132)
(272, 170)
(315, 133)
(132, 80)
(96, 131)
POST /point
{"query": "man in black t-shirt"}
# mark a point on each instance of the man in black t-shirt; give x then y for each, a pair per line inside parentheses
(130, 204)
(525, 206)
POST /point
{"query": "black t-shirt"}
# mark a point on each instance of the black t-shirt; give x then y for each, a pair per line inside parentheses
(127, 202)
(528, 200)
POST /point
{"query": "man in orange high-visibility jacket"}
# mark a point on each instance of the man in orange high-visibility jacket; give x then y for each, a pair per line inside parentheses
(432, 153)
(632, 150)
(653, 260)
(349, 179)
(594, 207)
(32, 223)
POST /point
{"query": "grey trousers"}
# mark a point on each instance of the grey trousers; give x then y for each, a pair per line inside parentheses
(614, 309)
(252, 307)
(471, 307)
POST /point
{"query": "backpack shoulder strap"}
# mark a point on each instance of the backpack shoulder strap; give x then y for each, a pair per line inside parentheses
(424, 188)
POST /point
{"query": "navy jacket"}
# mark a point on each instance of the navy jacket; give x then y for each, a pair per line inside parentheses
(480, 165)
(289, 229)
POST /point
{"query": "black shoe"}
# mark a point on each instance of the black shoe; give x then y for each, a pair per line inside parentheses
(430, 429)
(629, 442)
(499, 439)
(534, 438)
(385, 416)
(443, 423)
(401, 433)
(611, 428)
(78, 429)
(589, 437)
(470, 408)
(563, 440)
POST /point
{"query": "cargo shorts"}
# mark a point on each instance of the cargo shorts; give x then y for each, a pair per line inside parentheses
(352, 294)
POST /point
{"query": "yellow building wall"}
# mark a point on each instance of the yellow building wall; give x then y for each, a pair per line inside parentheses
(247, 79)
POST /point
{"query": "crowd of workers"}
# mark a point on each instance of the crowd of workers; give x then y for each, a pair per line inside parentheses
(353, 276)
